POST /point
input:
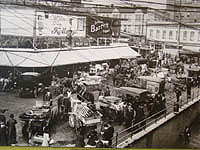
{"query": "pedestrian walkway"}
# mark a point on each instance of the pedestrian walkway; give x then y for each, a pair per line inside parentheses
(171, 99)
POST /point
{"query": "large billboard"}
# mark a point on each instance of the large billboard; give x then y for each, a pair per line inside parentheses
(102, 27)
(57, 25)
(17, 21)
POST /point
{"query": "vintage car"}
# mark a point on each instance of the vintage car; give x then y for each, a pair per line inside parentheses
(29, 84)
(134, 92)
(152, 84)
(110, 106)
(83, 114)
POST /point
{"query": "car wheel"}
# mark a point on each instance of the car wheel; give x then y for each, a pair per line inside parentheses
(35, 93)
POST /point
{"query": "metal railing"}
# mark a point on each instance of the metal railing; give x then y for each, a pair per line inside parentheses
(142, 125)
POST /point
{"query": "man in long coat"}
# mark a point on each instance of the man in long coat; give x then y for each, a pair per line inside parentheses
(12, 130)
(3, 135)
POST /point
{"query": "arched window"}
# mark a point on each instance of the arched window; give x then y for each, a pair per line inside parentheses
(185, 35)
(192, 36)
(170, 35)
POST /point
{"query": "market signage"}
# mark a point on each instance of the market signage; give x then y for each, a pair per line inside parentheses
(58, 25)
(102, 27)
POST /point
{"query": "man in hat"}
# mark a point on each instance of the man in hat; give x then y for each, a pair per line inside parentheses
(12, 130)
(107, 133)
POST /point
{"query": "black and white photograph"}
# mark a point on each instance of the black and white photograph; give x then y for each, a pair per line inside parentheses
(100, 73)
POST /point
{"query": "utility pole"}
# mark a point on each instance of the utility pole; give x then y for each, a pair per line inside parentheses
(34, 30)
(179, 27)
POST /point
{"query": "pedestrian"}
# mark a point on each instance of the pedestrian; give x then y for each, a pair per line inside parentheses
(67, 104)
(107, 91)
(163, 102)
(187, 134)
(44, 93)
(3, 135)
(92, 137)
(198, 81)
(80, 141)
(99, 143)
(25, 131)
(48, 96)
(188, 87)
(178, 94)
(12, 130)
(107, 133)
(2, 116)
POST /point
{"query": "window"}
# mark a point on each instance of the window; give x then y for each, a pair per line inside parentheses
(177, 35)
(125, 16)
(199, 36)
(157, 34)
(125, 28)
(164, 34)
(151, 33)
(80, 24)
(138, 29)
(185, 35)
(138, 17)
(129, 28)
(170, 35)
(192, 36)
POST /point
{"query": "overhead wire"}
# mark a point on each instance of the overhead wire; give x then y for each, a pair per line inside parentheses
(16, 25)
(150, 3)
(15, 14)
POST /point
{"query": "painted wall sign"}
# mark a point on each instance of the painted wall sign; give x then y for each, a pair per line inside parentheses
(102, 27)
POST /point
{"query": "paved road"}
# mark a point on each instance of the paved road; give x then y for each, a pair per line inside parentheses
(17, 105)
(62, 134)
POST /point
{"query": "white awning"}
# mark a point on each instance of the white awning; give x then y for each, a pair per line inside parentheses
(56, 57)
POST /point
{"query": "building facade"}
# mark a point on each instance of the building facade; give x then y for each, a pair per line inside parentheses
(134, 19)
(167, 33)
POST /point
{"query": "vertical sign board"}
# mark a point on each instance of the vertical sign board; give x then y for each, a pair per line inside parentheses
(57, 25)
(102, 27)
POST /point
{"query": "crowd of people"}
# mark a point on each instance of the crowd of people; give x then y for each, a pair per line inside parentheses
(133, 112)
(7, 82)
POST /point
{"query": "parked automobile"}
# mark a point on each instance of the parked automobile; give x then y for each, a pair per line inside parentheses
(30, 84)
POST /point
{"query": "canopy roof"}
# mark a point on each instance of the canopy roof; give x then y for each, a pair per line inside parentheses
(64, 56)
(133, 91)
(150, 78)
